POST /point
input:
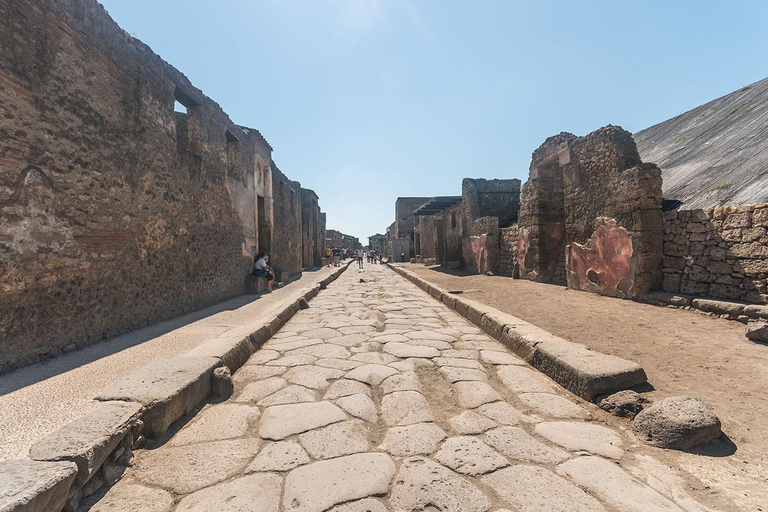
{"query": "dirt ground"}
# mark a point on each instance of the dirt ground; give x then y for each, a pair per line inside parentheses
(683, 352)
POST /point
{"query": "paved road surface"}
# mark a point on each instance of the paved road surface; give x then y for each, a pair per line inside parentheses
(37, 400)
(378, 398)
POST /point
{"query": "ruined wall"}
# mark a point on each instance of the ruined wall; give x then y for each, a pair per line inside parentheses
(492, 198)
(312, 230)
(719, 252)
(594, 197)
(115, 211)
(427, 236)
(405, 221)
(286, 255)
(508, 256)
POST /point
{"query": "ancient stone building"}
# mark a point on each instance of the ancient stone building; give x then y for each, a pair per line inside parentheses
(377, 242)
(405, 223)
(126, 195)
(591, 215)
(313, 230)
(287, 247)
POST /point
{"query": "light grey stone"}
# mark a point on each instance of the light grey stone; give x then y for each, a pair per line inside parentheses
(429, 335)
(374, 358)
(758, 331)
(364, 505)
(458, 362)
(252, 373)
(534, 489)
(338, 364)
(132, 498)
(255, 391)
(581, 436)
(281, 421)
(344, 438)
(517, 444)
(421, 483)
(323, 333)
(472, 394)
(293, 394)
(222, 385)
(223, 421)
(279, 456)
(503, 413)
(90, 439)
(470, 422)
(416, 439)
(554, 405)
(407, 350)
(319, 486)
(315, 377)
(35, 486)
(324, 350)
(611, 484)
(407, 381)
(470, 456)
(345, 387)
(372, 374)
(495, 357)
(167, 388)
(189, 468)
(624, 403)
(255, 493)
(460, 354)
(405, 408)
(453, 374)
(359, 406)
(294, 360)
(292, 344)
(524, 380)
(678, 422)
(263, 356)
(232, 351)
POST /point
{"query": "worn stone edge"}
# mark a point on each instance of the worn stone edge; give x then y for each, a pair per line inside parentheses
(531, 343)
(256, 340)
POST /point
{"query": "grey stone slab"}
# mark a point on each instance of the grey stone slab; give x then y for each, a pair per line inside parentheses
(255, 391)
(223, 421)
(504, 413)
(133, 498)
(416, 439)
(263, 356)
(189, 468)
(470, 456)
(292, 394)
(554, 405)
(407, 381)
(405, 408)
(232, 351)
(279, 456)
(346, 387)
(338, 364)
(344, 438)
(534, 489)
(281, 421)
(614, 486)
(677, 422)
(360, 406)
(458, 362)
(90, 439)
(496, 357)
(324, 350)
(460, 354)
(581, 436)
(374, 358)
(470, 422)
(286, 346)
(364, 505)
(524, 380)
(324, 484)
(251, 373)
(472, 394)
(35, 486)
(167, 388)
(294, 360)
(408, 350)
(421, 483)
(323, 333)
(351, 339)
(372, 374)
(517, 444)
(310, 376)
(429, 335)
(253, 493)
(453, 374)
(584, 372)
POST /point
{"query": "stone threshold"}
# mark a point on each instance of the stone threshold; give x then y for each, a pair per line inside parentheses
(573, 366)
(743, 312)
(92, 451)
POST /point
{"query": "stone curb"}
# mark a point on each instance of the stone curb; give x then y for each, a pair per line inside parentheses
(739, 311)
(155, 395)
(575, 367)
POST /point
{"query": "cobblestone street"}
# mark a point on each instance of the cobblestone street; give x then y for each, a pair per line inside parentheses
(378, 398)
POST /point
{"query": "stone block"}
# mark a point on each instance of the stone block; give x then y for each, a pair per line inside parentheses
(34, 486)
(584, 372)
(90, 439)
(255, 285)
(671, 299)
(168, 389)
(756, 311)
(719, 307)
(678, 422)
(758, 332)
(232, 351)
(449, 300)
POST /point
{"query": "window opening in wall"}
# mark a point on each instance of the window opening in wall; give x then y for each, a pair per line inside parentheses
(453, 220)
(184, 100)
(178, 107)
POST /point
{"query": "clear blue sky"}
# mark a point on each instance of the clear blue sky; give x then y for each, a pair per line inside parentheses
(368, 100)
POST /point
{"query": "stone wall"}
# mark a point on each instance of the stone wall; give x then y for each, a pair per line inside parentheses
(312, 230)
(492, 198)
(427, 237)
(508, 251)
(720, 252)
(405, 220)
(286, 255)
(116, 211)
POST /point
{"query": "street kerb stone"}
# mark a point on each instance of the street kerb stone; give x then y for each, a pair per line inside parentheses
(256, 493)
(416, 439)
(613, 485)
(232, 351)
(224, 421)
(421, 482)
(281, 421)
(168, 389)
(517, 444)
(584, 372)
(535, 489)
(35, 486)
(189, 468)
(133, 498)
(344, 438)
(405, 408)
(319, 486)
(582, 436)
(279, 456)
(90, 439)
(470, 456)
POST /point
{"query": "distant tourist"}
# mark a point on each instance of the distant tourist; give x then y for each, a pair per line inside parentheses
(336, 258)
(360, 257)
(261, 269)
(328, 255)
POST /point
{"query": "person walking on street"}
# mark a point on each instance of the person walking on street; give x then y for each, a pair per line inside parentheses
(360, 257)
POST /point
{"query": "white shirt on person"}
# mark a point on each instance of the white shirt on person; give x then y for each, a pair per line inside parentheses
(260, 264)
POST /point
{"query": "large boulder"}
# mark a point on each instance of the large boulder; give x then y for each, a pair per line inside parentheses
(758, 331)
(678, 422)
(626, 404)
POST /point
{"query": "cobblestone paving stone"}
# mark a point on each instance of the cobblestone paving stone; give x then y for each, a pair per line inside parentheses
(379, 398)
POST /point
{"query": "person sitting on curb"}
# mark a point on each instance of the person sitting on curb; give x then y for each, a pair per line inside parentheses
(261, 269)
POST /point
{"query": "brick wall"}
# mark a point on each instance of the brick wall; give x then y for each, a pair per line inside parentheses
(720, 252)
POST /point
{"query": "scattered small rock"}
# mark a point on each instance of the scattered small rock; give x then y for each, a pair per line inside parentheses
(758, 331)
(221, 383)
(362, 280)
(624, 403)
(489, 273)
(678, 422)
